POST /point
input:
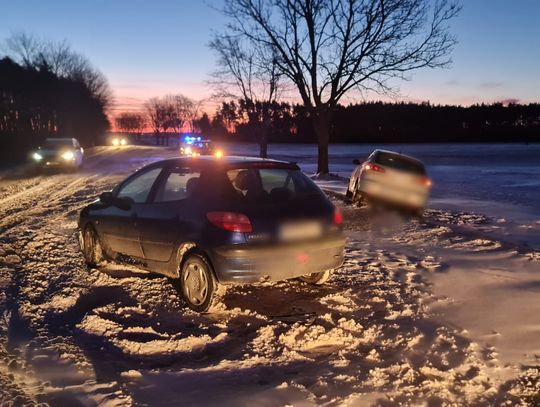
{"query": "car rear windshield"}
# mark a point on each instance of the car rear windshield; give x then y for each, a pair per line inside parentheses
(58, 143)
(400, 162)
(271, 185)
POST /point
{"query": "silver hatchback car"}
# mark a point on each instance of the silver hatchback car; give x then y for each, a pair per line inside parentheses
(390, 177)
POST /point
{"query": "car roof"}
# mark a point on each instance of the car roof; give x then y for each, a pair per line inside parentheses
(231, 160)
(378, 150)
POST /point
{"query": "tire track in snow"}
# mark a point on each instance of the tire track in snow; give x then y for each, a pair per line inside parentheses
(49, 262)
(122, 328)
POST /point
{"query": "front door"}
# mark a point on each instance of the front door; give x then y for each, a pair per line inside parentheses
(171, 217)
(122, 232)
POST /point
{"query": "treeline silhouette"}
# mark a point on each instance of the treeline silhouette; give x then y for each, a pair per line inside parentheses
(48, 90)
(382, 122)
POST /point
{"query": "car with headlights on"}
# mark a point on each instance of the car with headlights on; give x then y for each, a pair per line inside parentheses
(59, 153)
(390, 177)
(205, 221)
(119, 141)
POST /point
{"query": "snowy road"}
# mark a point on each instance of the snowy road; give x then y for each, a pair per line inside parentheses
(438, 311)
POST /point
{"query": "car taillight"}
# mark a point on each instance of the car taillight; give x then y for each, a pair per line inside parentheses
(424, 181)
(338, 217)
(373, 167)
(231, 221)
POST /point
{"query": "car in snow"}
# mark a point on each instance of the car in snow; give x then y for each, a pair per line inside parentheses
(207, 220)
(119, 141)
(390, 177)
(59, 153)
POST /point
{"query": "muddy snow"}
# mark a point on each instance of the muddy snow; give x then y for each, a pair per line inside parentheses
(437, 311)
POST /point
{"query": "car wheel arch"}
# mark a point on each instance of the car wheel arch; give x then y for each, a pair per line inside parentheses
(183, 252)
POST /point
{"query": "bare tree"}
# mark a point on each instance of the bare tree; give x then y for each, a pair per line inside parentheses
(157, 117)
(331, 48)
(171, 112)
(189, 110)
(182, 112)
(24, 49)
(61, 60)
(244, 73)
(130, 122)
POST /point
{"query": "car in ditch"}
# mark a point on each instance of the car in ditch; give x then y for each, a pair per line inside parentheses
(391, 178)
(65, 153)
(206, 220)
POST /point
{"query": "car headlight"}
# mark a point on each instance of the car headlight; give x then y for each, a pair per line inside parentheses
(68, 155)
(115, 142)
(218, 153)
(123, 141)
(37, 156)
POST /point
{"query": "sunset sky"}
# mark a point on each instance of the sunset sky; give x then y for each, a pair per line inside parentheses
(151, 48)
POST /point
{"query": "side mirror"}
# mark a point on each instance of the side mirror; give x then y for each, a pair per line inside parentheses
(106, 197)
(356, 161)
(109, 199)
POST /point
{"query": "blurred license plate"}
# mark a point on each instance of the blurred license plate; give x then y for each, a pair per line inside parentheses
(298, 231)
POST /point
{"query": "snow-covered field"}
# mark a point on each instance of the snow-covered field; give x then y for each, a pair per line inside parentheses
(438, 311)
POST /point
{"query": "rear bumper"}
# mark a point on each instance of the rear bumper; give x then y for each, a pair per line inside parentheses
(410, 198)
(249, 264)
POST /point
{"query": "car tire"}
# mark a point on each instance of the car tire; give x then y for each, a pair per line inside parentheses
(91, 247)
(357, 196)
(317, 278)
(198, 284)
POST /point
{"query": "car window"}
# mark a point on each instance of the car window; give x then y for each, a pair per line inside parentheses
(179, 184)
(138, 188)
(400, 163)
(277, 178)
(272, 185)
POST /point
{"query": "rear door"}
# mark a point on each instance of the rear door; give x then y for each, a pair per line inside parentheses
(172, 215)
(119, 227)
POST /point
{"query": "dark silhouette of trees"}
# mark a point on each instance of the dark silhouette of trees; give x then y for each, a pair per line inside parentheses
(379, 122)
(171, 113)
(331, 48)
(48, 90)
(128, 122)
(203, 125)
(59, 59)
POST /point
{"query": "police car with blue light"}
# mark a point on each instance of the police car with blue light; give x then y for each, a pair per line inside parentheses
(195, 145)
